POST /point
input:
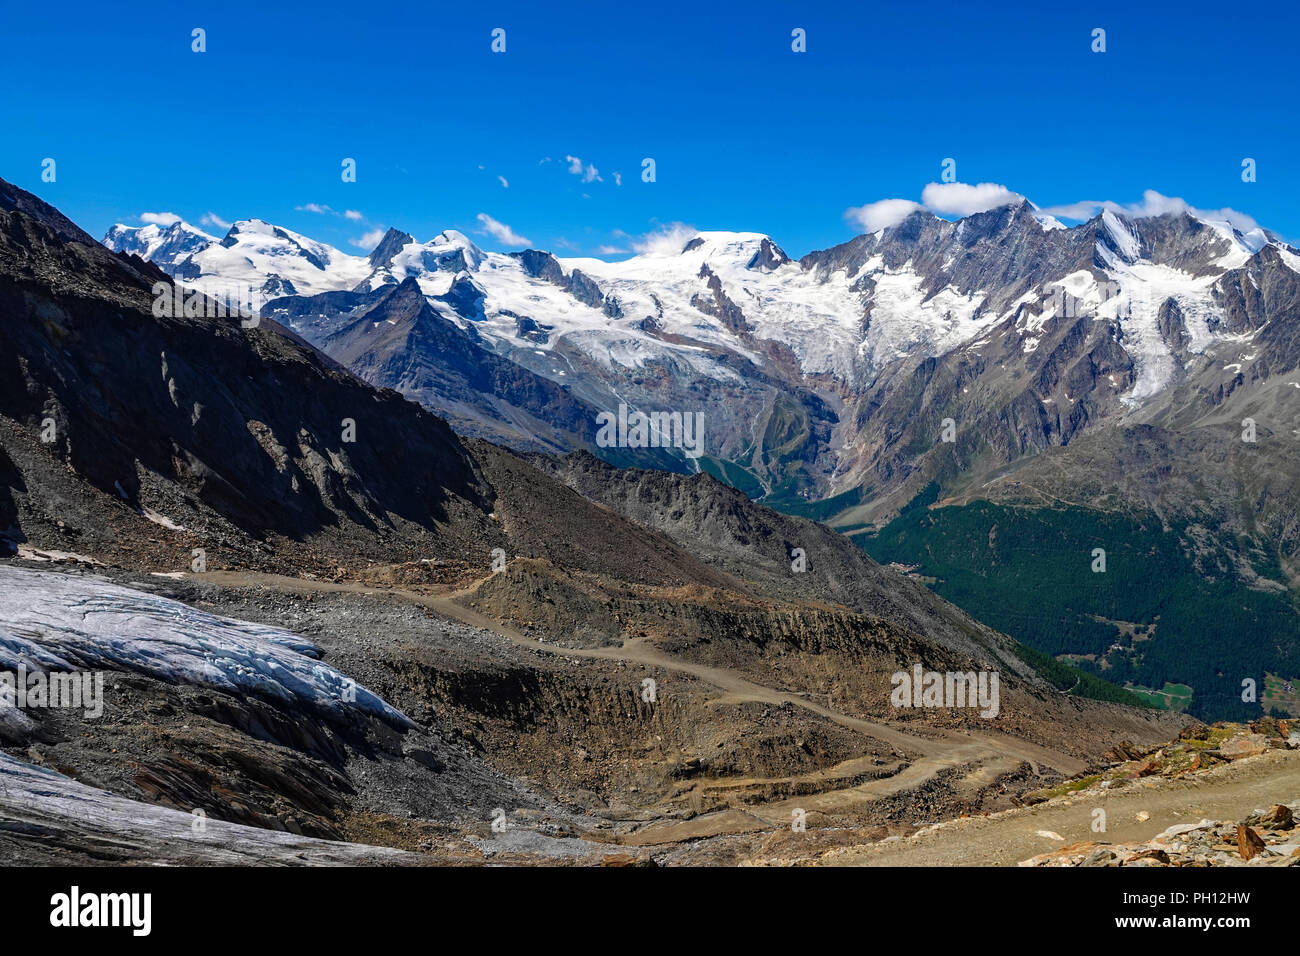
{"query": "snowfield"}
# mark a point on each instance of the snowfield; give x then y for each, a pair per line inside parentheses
(662, 306)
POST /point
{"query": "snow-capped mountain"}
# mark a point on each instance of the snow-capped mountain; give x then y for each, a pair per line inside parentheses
(396, 337)
(271, 262)
(263, 260)
(817, 375)
(165, 246)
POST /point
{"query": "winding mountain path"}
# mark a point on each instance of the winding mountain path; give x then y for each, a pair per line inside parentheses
(987, 755)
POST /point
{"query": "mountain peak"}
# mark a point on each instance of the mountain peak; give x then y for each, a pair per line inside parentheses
(393, 242)
(752, 250)
(165, 245)
(1118, 236)
(449, 251)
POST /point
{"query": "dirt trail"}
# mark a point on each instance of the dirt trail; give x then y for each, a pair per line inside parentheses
(737, 688)
(1230, 792)
(989, 754)
(944, 743)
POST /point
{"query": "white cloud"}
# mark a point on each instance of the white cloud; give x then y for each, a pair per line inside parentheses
(943, 199)
(313, 207)
(963, 199)
(610, 251)
(1157, 204)
(353, 214)
(1152, 204)
(501, 232)
(370, 239)
(159, 218)
(618, 179)
(875, 216)
(212, 219)
(1075, 210)
(666, 240)
(505, 184)
(589, 173)
(1238, 220)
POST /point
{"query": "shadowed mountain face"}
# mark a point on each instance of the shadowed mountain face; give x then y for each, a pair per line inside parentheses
(732, 533)
(248, 425)
(126, 431)
(820, 377)
(393, 337)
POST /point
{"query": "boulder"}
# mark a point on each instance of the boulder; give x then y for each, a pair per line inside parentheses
(1246, 745)
(1249, 843)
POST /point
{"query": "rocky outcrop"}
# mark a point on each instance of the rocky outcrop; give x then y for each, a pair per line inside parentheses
(392, 243)
(1266, 838)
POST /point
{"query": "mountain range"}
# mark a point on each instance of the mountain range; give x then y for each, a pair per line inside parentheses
(801, 366)
(1131, 381)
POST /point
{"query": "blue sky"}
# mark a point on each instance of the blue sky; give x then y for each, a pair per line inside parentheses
(745, 133)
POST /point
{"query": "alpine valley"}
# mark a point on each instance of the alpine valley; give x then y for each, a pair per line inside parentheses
(337, 631)
(986, 404)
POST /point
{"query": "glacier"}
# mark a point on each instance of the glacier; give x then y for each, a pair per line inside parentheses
(55, 621)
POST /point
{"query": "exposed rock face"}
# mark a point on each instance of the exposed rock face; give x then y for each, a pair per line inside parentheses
(395, 338)
(585, 290)
(1003, 252)
(1117, 366)
(1027, 333)
(541, 265)
(730, 532)
(835, 376)
(233, 435)
(393, 242)
(768, 257)
(718, 305)
(165, 246)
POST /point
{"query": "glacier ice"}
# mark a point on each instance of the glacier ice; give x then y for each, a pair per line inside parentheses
(50, 620)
